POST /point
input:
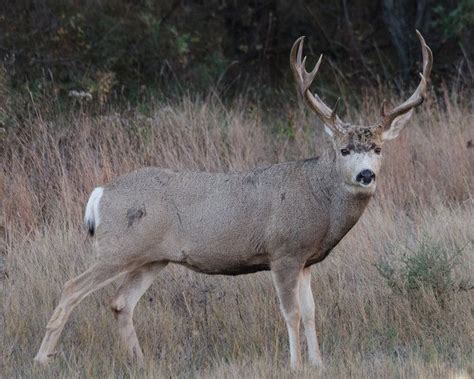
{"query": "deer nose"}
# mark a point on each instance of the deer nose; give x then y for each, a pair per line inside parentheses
(365, 176)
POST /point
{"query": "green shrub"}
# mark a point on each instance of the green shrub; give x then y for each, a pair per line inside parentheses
(428, 267)
(453, 22)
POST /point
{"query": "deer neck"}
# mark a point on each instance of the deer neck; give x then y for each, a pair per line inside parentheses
(341, 207)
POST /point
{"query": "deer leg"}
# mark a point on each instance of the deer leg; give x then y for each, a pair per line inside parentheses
(129, 293)
(74, 291)
(286, 278)
(307, 314)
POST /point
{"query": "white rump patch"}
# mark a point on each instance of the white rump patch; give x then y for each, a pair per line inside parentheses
(91, 216)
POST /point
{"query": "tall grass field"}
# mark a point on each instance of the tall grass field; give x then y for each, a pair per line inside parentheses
(393, 299)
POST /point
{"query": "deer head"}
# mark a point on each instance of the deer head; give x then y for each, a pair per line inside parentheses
(358, 148)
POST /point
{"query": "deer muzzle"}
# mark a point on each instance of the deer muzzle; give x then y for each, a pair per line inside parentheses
(365, 177)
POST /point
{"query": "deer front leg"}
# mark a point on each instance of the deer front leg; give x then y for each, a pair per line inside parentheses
(286, 278)
(307, 313)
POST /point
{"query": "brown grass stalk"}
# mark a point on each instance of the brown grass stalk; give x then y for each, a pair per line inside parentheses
(196, 325)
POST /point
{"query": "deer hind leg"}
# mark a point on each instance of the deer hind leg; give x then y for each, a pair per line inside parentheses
(74, 291)
(286, 278)
(307, 313)
(134, 285)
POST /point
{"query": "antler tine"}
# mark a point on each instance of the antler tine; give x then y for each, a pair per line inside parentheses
(334, 110)
(313, 73)
(300, 42)
(427, 55)
(420, 93)
(383, 108)
(304, 80)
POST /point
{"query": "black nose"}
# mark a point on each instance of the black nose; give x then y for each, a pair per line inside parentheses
(365, 176)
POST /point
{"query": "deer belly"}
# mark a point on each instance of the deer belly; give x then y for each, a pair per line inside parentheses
(225, 264)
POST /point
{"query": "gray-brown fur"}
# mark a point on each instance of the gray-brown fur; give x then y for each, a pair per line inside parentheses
(227, 223)
(363, 138)
(282, 218)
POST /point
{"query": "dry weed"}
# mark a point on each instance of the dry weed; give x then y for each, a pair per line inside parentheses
(202, 326)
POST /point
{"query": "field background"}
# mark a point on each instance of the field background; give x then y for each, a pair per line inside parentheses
(394, 299)
(196, 325)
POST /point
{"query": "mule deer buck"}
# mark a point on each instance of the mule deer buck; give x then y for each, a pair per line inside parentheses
(283, 218)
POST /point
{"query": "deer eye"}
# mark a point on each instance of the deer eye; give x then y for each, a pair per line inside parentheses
(345, 152)
(378, 150)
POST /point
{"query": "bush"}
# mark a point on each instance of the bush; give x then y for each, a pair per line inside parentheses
(429, 267)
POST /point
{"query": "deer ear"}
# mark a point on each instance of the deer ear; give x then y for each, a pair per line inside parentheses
(397, 125)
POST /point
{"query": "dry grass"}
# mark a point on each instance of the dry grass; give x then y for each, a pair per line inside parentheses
(192, 325)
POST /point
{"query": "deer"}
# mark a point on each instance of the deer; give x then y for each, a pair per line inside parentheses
(283, 218)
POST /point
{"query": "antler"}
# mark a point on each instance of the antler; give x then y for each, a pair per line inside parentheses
(304, 80)
(420, 93)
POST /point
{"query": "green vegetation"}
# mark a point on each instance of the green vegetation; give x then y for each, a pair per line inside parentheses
(119, 48)
(429, 267)
(454, 21)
